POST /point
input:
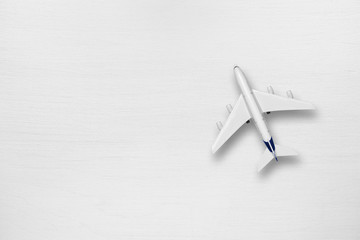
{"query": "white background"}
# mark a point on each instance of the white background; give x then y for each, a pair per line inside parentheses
(108, 111)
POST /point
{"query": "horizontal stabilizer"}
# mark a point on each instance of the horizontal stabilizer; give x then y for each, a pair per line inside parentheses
(267, 156)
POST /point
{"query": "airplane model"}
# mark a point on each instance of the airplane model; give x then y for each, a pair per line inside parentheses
(252, 105)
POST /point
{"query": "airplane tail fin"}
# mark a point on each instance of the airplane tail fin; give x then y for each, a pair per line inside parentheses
(267, 156)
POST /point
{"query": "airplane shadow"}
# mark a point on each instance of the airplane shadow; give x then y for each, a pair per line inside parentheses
(284, 162)
(291, 115)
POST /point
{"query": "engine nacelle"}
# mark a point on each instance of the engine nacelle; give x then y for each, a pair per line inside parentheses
(270, 90)
(289, 94)
(229, 108)
(219, 125)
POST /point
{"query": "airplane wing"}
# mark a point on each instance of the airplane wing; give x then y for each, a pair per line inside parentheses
(238, 116)
(270, 102)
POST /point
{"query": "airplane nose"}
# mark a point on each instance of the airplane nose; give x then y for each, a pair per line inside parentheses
(238, 69)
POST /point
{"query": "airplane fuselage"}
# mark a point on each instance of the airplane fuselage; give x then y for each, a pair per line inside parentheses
(254, 110)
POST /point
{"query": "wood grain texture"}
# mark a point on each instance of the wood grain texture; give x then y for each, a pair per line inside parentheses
(108, 111)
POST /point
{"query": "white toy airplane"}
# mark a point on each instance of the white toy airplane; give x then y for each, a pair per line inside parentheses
(253, 104)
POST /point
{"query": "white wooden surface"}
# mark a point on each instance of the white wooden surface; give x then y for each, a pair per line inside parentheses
(108, 111)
